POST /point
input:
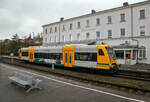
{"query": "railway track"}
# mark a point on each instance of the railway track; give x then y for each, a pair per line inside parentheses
(97, 79)
(131, 77)
(135, 75)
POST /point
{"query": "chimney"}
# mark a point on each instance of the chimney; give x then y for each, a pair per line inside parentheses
(93, 11)
(125, 4)
(61, 19)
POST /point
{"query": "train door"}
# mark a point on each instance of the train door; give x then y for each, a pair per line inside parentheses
(68, 56)
(31, 54)
(128, 57)
(102, 58)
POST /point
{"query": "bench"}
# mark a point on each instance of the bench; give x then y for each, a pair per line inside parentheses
(25, 80)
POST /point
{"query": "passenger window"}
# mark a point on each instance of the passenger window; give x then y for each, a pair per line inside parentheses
(31, 56)
(101, 53)
(70, 58)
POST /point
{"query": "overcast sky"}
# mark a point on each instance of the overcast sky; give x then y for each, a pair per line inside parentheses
(26, 16)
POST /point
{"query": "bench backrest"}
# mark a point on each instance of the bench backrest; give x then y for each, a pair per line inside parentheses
(25, 77)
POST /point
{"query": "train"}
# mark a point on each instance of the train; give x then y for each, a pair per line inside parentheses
(98, 57)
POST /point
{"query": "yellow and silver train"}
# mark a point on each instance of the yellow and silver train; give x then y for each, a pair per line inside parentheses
(99, 57)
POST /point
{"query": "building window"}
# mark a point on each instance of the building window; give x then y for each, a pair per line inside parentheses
(142, 52)
(70, 37)
(50, 30)
(55, 29)
(45, 40)
(97, 21)
(109, 33)
(109, 19)
(134, 55)
(63, 38)
(78, 36)
(79, 25)
(87, 23)
(46, 31)
(142, 14)
(63, 27)
(122, 17)
(142, 30)
(87, 35)
(70, 26)
(97, 35)
(122, 30)
(119, 54)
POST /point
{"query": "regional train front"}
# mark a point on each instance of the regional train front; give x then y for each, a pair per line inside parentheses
(106, 60)
(112, 56)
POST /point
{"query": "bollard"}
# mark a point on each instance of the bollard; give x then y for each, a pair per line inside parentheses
(11, 57)
(12, 60)
(53, 66)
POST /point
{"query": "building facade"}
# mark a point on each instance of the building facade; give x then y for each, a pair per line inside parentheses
(126, 28)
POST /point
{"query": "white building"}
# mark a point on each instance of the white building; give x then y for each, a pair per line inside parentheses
(122, 27)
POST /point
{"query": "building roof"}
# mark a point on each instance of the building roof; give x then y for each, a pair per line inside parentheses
(125, 46)
(100, 12)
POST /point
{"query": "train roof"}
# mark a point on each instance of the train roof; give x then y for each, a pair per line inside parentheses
(78, 47)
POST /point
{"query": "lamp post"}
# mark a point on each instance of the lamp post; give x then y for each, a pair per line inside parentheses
(137, 50)
(0, 49)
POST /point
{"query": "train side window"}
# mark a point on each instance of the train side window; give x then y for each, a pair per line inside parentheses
(46, 55)
(35, 55)
(84, 56)
(59, 56)
(69, 58)
(49, 55)
(94, 57)
(40, 55)
(24, 53)
(101, 53)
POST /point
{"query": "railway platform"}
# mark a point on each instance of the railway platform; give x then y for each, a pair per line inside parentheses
(56, 89)
(136, 67)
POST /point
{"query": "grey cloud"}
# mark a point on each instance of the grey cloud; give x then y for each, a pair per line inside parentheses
(25, 16)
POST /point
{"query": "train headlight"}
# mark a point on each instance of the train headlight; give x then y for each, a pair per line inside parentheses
(111, 67)
(119, 65)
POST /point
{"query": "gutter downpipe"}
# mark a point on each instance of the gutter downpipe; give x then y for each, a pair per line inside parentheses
(131, 22)
(132, 35)
(59, 34)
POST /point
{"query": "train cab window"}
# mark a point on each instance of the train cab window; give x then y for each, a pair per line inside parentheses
(111, 52)
(101, 53)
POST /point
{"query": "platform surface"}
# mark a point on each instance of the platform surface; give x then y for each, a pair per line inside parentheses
(55, 89)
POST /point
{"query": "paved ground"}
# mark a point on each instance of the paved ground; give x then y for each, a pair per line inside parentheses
(56, 89)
